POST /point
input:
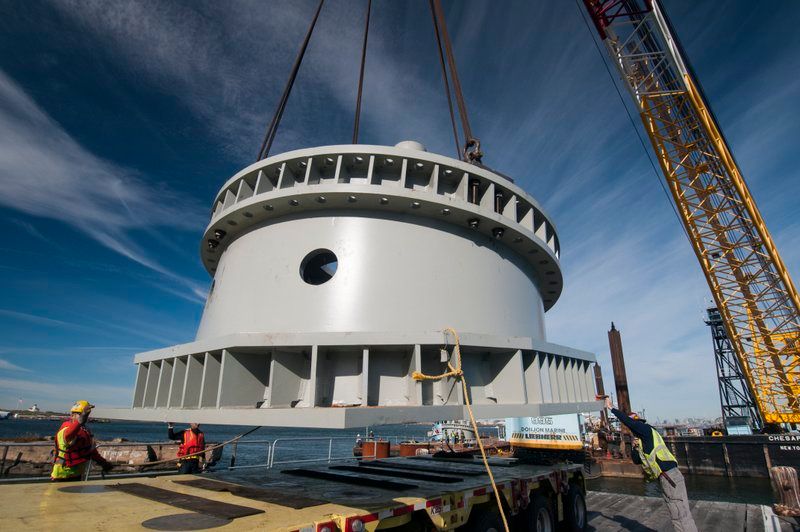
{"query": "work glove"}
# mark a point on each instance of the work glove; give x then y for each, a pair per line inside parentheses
(107, 466)
(83, 418)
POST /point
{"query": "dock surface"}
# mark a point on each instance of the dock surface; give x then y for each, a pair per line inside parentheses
(184, 502)
(610, 512)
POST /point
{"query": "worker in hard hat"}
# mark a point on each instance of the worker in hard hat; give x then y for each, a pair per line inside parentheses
(74, 446)
(659, 464)
(191, 458)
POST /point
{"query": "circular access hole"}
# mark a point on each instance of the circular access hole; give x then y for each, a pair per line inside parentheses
(319, 266)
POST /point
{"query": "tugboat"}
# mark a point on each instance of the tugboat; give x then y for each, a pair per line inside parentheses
(455, 431)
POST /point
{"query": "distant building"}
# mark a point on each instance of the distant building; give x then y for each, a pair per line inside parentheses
(34, 408)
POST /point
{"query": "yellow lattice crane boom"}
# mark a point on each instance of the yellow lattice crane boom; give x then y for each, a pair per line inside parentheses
(749, 282)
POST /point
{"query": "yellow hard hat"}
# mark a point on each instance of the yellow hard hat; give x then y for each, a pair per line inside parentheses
(81, 406)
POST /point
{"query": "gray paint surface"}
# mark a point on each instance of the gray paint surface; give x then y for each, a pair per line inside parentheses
(423, 243)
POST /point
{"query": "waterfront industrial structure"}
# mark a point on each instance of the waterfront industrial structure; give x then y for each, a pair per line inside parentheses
(618, 365)
(356, 217)
(601, 392)
(739, 410)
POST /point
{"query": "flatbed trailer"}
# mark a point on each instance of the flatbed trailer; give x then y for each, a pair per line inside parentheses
(409, 493)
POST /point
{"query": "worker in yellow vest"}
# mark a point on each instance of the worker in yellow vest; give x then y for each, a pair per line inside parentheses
(74, 446)
(659, 464)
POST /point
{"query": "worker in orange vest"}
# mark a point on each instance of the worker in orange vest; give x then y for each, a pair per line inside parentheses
(193, 443)
(74, 446)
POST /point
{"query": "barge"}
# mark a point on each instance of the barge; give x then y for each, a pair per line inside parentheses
(425, 492)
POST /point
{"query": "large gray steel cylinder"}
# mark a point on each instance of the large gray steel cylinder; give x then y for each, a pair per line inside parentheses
(395, 272)
(337, 269)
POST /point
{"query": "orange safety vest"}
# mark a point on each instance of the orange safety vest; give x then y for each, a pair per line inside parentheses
(75, 452)
(192, 443)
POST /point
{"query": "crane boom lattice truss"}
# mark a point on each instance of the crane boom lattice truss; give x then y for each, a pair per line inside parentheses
(748, 280)
(735, 397)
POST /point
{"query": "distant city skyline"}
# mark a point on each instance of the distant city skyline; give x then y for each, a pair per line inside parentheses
(119, 122)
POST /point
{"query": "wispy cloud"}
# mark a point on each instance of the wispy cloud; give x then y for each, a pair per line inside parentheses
(31, 229)
(38, 320)
(103, 327)
(5, 364)
(228, 62)
(115, 351)
(72, 185)
(58, 396)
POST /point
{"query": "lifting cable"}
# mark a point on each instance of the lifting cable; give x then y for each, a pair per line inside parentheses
(458, 373)
(269, 136)
(361, 74)
(446, 83)
(472, 146)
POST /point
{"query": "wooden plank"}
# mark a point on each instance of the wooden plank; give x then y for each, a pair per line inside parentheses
(367, 482)
(718, 515)
(753, 520)
(378, 472)
(441, 469)
(192, 503)
(616, 512)
(268, 495)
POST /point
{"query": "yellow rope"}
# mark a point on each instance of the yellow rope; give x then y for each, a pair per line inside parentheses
(458, 373)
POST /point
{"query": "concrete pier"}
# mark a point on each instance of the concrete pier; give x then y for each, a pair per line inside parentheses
(614, 512)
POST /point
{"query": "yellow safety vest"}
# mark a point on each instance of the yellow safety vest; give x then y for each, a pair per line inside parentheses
(649, 460)
(71, 457)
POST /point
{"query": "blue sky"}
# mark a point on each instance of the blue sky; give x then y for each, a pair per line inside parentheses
(119, 121)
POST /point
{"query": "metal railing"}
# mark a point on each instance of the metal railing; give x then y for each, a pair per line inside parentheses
(235, 450)
(270, 452)
(4, 459)
(330, 457)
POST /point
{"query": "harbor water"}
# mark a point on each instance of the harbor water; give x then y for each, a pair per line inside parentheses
(290, 443)
(313, 444)
(699, 487)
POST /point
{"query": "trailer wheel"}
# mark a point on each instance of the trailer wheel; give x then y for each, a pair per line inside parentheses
(575, 510)
(539, 515)
(485, 519)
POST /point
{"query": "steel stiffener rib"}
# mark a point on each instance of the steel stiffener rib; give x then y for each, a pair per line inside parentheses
(748, 280)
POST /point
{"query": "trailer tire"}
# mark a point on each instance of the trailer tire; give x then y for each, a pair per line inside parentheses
(575, 510)
(485, 519)
(539, 515)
